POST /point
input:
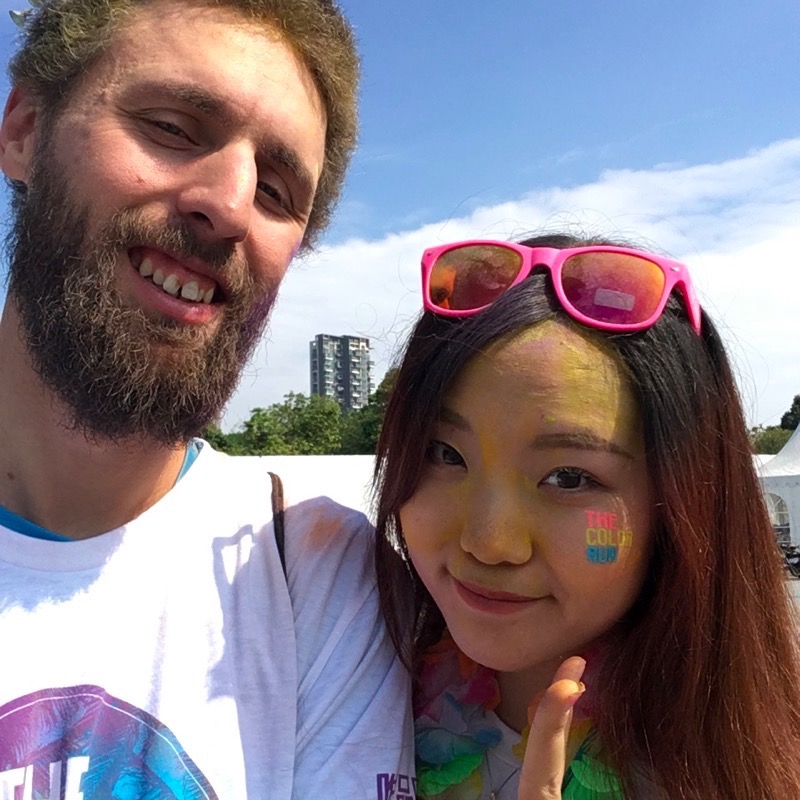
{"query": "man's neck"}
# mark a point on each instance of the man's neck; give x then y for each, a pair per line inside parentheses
(55, 476)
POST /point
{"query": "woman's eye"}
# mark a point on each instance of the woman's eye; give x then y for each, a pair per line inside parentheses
(570, 478)
(441, 453)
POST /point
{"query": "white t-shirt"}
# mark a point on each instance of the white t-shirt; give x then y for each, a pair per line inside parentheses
(168, 659)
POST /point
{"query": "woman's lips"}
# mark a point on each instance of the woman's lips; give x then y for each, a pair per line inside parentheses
(489, 600)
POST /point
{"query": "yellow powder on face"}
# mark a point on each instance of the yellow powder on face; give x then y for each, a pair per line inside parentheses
(531, 391)
(525, 416)
(590, 383)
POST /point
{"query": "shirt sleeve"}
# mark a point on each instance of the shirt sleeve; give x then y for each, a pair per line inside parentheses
(354, 725)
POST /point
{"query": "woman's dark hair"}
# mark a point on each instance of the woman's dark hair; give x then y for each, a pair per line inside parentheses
(700, 688)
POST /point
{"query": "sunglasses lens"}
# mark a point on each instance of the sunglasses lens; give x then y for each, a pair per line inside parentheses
(613, 287)
(470, 277)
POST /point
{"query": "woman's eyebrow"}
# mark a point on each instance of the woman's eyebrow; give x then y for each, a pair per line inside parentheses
(580, 440)
(450, 417)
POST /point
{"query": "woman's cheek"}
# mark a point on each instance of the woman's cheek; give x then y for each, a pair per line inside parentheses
(433, 514)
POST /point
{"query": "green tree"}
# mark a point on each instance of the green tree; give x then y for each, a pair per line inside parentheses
(303, 425)
(360, 431)
(262, 433)
(224, 442)
(235, 443)
(768, 440)
(215, 437)
(299, 426)
(361, 428)
(791, 419)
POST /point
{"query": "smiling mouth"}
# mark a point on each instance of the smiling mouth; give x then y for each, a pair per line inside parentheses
(195, 290)
(492, 603)
(471, 589)
(491, 594)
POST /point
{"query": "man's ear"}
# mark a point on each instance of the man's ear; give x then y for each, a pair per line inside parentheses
(17, 135)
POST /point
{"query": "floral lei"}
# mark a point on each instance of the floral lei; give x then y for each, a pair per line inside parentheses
(453, 734)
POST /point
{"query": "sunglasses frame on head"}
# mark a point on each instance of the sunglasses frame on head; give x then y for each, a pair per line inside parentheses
(676, 275)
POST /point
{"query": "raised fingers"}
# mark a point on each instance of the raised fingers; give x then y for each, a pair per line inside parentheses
(545, 755)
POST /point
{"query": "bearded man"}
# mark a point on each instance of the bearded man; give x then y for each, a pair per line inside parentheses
(167, 159)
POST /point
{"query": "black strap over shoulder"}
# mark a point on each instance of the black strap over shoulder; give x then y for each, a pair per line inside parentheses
(278, 518)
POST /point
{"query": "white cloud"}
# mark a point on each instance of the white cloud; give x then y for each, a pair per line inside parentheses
(734, 223)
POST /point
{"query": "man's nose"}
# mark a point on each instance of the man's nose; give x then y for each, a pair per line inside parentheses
(219, 193)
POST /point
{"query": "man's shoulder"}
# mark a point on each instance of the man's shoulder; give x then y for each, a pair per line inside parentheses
(325, 540)
(325, 500)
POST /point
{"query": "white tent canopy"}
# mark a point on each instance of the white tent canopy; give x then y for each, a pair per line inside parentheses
(780, 477)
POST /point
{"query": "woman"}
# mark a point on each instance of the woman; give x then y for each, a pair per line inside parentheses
(564, 467)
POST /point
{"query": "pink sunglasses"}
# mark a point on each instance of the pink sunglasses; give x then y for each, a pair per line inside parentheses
(612, 288)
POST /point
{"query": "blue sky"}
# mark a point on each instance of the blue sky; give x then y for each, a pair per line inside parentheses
(677, 122)
(469, 103)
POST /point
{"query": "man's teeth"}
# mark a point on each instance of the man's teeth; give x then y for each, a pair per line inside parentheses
(190, 291)
(172, 285)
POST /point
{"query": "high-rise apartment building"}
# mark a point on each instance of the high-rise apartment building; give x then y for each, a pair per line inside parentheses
(340, 368)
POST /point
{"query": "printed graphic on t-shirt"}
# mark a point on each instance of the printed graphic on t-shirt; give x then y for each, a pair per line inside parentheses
(392, 786)
(80, 743)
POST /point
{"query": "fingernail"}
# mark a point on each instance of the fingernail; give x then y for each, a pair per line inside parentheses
(572, 699)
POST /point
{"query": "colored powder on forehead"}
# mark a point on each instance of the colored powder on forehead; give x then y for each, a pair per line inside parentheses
(548, 371)
(591, 381)
(578, 355)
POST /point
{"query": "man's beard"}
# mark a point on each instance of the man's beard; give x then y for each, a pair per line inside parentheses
(119, 373)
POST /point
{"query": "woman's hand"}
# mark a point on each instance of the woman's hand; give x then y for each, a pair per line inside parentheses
(545, 755)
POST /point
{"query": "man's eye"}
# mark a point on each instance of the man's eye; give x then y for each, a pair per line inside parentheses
(441, 453)
(275, 195)
(170, 128)
(570, 478)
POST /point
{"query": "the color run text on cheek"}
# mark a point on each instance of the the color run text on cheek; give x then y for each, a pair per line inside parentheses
(604, 538)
